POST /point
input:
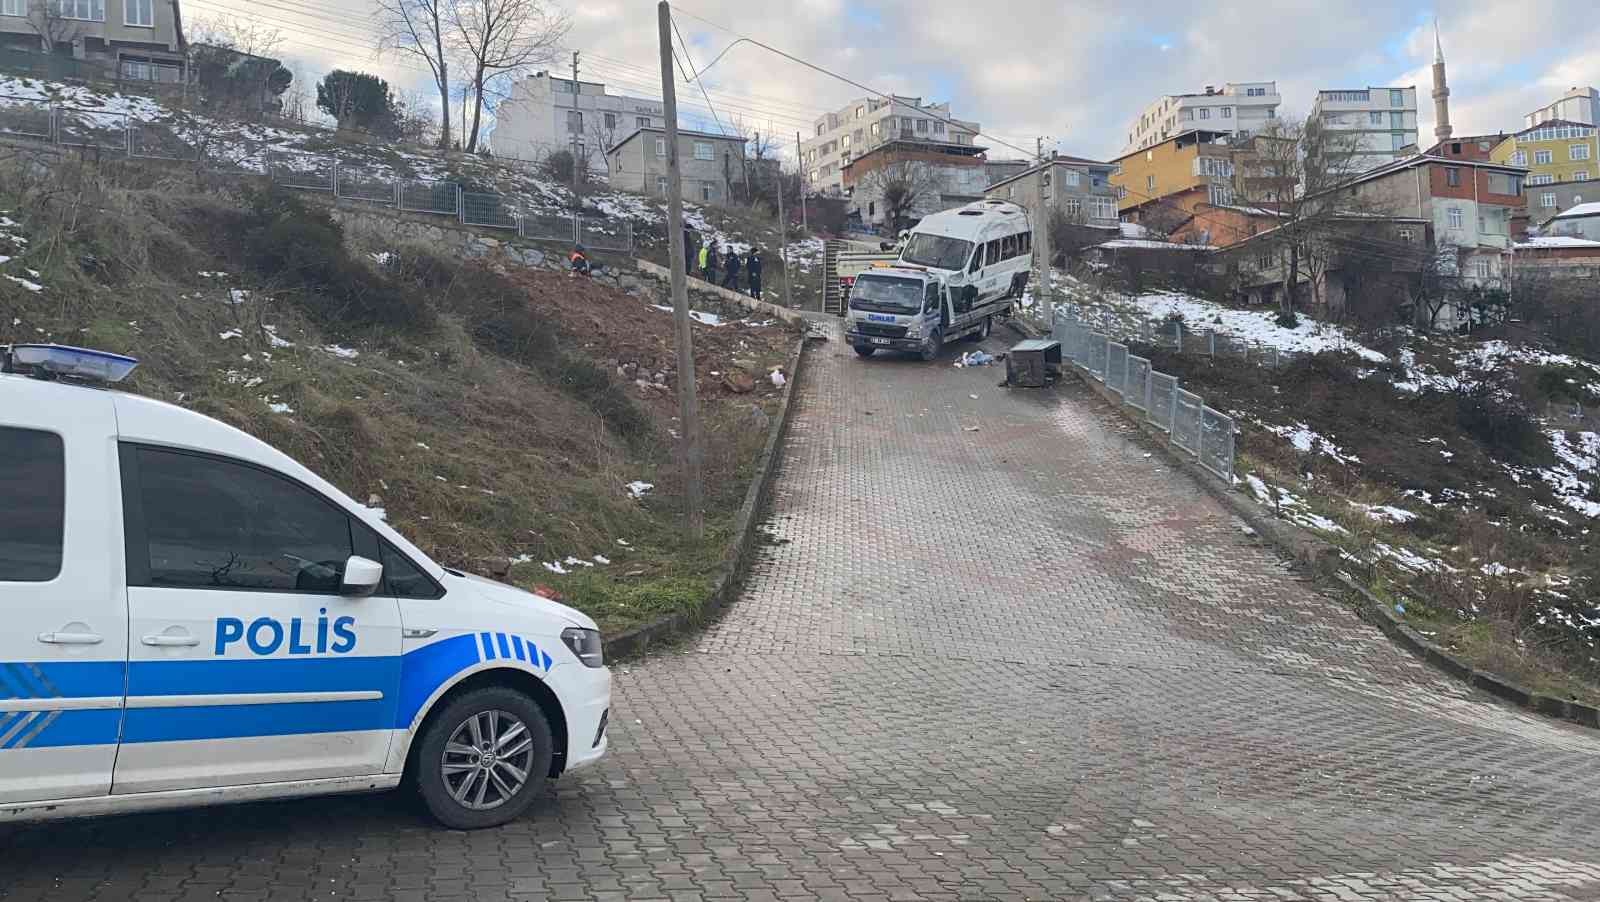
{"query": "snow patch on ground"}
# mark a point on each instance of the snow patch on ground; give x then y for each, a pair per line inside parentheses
(1574, 460)
(1291, 506)
(1253, 326)
(1384, 513)
(1306, 440)
(639, 489)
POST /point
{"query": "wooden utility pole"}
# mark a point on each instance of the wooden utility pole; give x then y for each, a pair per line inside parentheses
(1041, 240)
(783, 242)
(800, 169)
(576, 114)
(688, 405)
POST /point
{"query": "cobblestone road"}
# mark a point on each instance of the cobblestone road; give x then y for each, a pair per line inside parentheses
(996, 650)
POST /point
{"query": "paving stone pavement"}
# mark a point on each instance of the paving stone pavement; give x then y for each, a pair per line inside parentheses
(995, 649)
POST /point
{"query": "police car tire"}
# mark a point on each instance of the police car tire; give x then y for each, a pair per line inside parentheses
(430, 781)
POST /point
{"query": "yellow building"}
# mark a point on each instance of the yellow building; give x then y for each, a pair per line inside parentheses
(1559, 154)
(1187, 169)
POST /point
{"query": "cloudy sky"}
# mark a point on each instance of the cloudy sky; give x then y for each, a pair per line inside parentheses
(1073, 72)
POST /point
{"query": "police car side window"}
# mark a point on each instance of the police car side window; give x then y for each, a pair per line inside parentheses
(403, 577)
(212, 523)
(32, 505)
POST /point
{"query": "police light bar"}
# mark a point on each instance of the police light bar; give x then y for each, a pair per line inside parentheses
(53, 361)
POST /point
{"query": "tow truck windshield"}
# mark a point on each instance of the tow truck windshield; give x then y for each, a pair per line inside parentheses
(937, 251)
(886, 294)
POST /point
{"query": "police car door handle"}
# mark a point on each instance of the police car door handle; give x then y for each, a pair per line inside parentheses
(170, 641)
(70, 639)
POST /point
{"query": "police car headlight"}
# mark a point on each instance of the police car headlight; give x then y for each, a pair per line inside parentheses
(585, 644)
(914, 331)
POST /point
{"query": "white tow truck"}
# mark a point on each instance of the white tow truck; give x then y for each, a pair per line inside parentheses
(958, 271)
(194, 618)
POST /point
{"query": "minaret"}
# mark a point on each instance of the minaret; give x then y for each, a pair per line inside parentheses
(1441, 91)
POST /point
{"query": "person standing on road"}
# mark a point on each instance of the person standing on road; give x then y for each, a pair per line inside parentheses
(730, 270)
(752, 271)
(708, 262)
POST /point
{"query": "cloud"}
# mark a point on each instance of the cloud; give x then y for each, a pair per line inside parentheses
(1076, 72)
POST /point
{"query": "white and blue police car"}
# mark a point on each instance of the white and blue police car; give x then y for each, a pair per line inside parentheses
(193, 618)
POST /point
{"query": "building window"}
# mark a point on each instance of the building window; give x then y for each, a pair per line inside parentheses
(860, 111)
(1213, 166)
(1582, 175)
(1264, 261)
(1547, 199)
(1541, 179)
(1227, 112)
(574, 122)
(661, 185)
(1406, 235)
(1071, 177)
(1455, 217)
(1397, 120)
(87, 10)
(1221, 195)
(1271, 113)
(1397, 97)
(708, 191)
(1186, 115)
(938, 127)
(703, 151)
(1102, 207)
(845, 142)
(1578, 152)
(922, 126)
(13, 7)
(1452, 176)
(139, 13)
(642, 121)
(1072, 206)
(611, 121)
(1520, 158)
(874, 128)
(820, 129)
(1480, 268)
(1374, 118)
(1150, 183)
(1255, 92)
(1205, 112)
(1541, 158)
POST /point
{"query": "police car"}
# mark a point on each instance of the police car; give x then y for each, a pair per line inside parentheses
(192, 618)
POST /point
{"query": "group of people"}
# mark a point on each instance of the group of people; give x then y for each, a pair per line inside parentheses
(710, 260)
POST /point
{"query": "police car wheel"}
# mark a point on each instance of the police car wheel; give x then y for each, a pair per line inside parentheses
(484, 758)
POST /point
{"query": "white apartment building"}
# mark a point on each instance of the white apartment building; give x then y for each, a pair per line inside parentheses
(869, 123)
(544, 112)
(1577, 105)
(1382, 121)
(1240, 109)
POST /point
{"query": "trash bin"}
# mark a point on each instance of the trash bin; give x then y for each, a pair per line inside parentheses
(1032, 363)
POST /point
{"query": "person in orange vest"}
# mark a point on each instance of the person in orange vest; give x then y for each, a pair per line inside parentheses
(580, 262)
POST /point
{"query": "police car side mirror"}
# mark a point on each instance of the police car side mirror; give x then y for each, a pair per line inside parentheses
(361, 577)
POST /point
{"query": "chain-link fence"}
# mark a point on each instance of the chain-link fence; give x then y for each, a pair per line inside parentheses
(1204, 432)
(431, 197)
(1116, 366)
(94, 129)
(27, 118)
(354, 185)
(102, 130)
(1137, 392)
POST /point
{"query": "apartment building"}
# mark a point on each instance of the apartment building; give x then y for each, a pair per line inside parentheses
(1469, 204)
(141, 40)
(544, 114)
(944, 176)
(1078, 187)
(1562, 157)
(1239, 108)
(710, 166)
(1380, 123)
(1580, 105)
(1163, 183)
(871, 122)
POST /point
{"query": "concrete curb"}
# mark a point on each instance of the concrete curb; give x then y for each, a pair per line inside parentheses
(1323, 561)
(736, 559)
(743, 300)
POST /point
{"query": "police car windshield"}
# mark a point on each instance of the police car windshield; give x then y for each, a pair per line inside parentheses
(937, 251)
(886, 294)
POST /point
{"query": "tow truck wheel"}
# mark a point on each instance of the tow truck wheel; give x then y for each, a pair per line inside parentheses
(930, 346)
(484, 758)
(864, 350)
(983, 330)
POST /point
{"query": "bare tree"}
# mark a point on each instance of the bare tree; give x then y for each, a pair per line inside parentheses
(421, 29)
(500, 38)
(899, 187)
(1436, 283)
(1291, 168)
(604, 139)
(53, 29)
